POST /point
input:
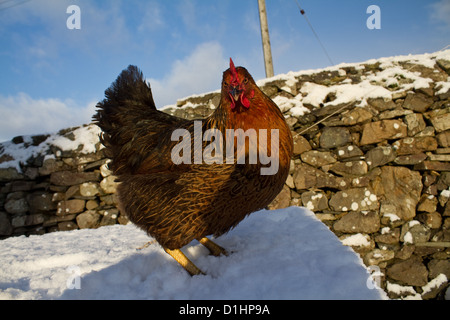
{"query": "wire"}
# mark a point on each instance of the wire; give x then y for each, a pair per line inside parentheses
(348, 104)
(315, 34)
(12, 5)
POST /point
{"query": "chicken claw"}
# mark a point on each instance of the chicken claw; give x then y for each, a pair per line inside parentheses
(187, 264)
(213, 247)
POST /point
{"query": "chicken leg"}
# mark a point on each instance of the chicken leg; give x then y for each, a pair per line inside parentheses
(187, 264)
(213, 247)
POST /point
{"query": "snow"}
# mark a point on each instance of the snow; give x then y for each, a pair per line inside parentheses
(408, 238)
(435, 283)
(85, 136)
(400, 290)
(280, 254)
(410, 294)
(357, 240)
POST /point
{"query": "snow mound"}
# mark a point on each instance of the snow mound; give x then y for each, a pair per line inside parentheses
(84, 139)
(279, 254)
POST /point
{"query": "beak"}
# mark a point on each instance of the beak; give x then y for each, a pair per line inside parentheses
(235, 93)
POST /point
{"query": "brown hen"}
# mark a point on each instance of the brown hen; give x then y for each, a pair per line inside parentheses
(182, 180)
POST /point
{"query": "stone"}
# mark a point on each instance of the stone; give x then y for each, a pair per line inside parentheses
(441, 122)
(69, 178)
(358, 222)
(432, 220)
(417, 102)
(51, 165)
(88, 220)
(41, 202)
(17, 206)
(317, 158)
(415, 123)
(28, 220)
(445, 65)
(380, 156)
(104, 169)
(405, 252)
(300, 145)
(6, 228)
(438, 157)
(355, 199)
(91, 204)
(109, 184)
(355, 116)
(427, 203)
(401, 189)
(333, 137)
(90, 189)
(388, 236)
(109, 200)
(434, 287)
(78, 159)
(123, 220)
(395, 113)
(432, 165)
(8, 174)
(282, 200)
(314, 200)
(350, 168)
(70, 207)
(412, 145)
(376, 256)
(444, 180)
(381, 104)
(410, 159)
(348, 152)
(67, 226)
(428, 91)
(410, 272)
(375, 132)
(306, 177)
(437, 267)
(414, 232)
(21, 185)
(388, 214)
(427, 132)
(109, 217)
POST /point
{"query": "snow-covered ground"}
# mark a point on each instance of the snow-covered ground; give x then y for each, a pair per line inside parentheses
(280, 254)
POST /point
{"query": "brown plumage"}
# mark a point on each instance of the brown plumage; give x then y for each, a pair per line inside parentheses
(177, 203)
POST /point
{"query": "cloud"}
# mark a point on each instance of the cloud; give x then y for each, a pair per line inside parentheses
(197, 73)
(23, 115)
(441, 12)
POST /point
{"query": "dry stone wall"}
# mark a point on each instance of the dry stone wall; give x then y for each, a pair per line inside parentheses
(375, 170)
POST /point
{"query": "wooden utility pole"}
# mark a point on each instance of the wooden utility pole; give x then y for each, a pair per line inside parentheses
(265, 38)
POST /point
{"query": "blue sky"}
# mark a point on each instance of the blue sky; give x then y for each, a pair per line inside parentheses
(51, 77)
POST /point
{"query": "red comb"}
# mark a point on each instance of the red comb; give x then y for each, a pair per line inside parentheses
(233, 72)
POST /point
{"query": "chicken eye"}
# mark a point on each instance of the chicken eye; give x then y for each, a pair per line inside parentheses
(245, 81)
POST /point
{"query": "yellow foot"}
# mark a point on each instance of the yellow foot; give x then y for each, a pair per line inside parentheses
(214, 248)
(187, 264)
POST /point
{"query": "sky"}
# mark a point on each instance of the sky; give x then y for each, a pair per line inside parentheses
(52, 74)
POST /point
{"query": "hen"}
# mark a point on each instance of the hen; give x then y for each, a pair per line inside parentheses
(182, 180)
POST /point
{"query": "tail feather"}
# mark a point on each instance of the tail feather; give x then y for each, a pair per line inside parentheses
(133, 129)
(126, 102)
